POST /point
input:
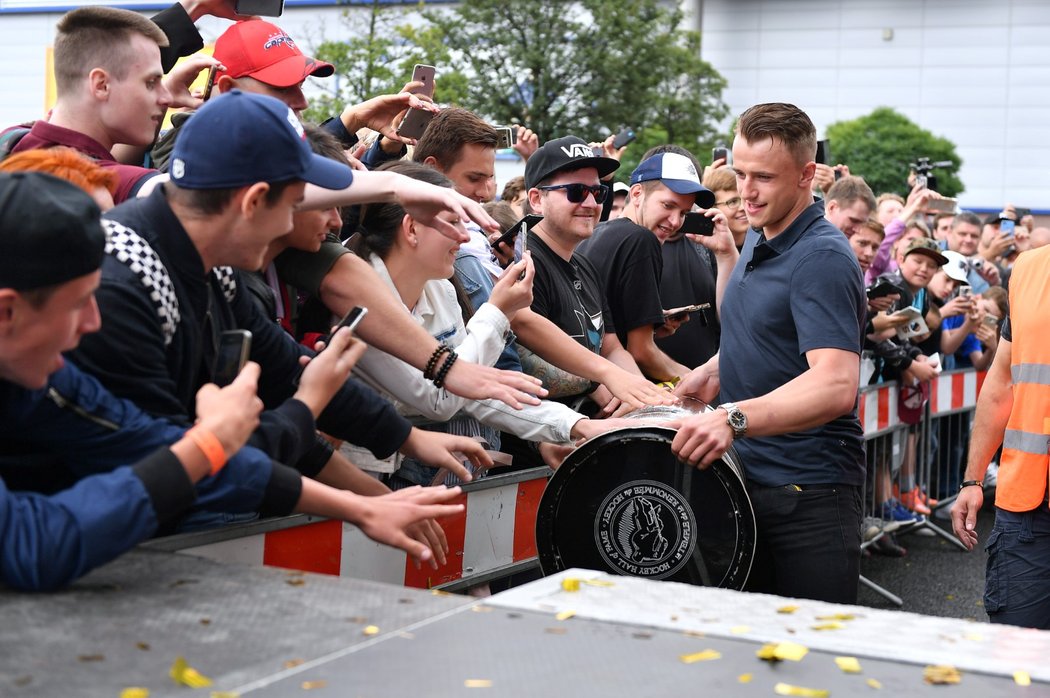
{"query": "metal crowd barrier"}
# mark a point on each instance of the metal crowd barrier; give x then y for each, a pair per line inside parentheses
(934, 450)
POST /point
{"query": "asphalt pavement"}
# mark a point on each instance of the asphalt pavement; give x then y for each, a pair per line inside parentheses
(935, 577)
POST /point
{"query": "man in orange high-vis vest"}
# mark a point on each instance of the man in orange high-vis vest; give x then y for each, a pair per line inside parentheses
(1013, 409)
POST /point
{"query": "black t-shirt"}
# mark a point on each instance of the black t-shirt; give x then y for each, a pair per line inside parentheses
(567, 294)
(689, 279)
(629, 263)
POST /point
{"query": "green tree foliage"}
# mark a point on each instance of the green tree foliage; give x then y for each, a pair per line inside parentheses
(881, 147)
(588, 68)
(378, 57)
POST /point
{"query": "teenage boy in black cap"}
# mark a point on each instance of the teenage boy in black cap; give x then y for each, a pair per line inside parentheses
(168, 295)
(627, 254)
(131, 481)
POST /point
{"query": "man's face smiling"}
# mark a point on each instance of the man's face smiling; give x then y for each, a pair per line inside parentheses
(660, 210)
(773, 184)
(963, 238)
(562, 219)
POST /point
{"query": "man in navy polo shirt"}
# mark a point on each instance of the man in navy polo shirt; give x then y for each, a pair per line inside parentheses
(792, 320)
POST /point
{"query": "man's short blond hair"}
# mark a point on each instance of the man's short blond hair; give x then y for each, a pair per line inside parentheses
(98, 37)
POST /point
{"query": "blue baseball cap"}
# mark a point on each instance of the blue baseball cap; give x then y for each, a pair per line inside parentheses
(240, 138)
(677, 173)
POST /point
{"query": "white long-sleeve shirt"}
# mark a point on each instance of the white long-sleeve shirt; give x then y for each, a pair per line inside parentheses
(480, 341)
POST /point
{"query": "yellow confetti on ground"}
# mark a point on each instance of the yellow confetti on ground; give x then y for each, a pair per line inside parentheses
(975, 637)
(740, 629)
(950, 597)
(838, 616)
(370, 630)
(135, 692)
(774, 651)
(297, 582)
(850, 665)
(478, 683)
(182, 673)
(599, 583)
(787, 609)
(570, 584)
(144, 646)
(786, 689)
(874, 683)
(705, 656)
(439, 592)
(310, 685)
(744, 678)
(833, 625)
(1022, 678)
(292, 663)
(225, 694)
(941, 674)
(565, 615)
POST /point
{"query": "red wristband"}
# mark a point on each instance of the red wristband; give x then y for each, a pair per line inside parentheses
(210, 447)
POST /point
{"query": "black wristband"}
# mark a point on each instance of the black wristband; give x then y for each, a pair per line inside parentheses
(970, 483)
(428, 372)
(445, 367)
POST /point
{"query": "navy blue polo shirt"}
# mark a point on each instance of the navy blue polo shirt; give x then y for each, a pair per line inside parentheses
(800, 291)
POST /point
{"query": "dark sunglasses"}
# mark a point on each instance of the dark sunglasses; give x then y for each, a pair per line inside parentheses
(577, 192)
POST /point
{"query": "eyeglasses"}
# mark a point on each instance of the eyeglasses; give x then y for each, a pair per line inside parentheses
(577, 192)
(731, 203)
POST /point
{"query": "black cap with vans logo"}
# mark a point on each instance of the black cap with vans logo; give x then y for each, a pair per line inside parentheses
(565, 153)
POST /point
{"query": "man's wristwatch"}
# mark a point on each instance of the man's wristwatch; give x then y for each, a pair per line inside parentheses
(736, 419)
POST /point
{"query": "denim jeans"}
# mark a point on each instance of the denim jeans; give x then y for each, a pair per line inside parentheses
(1017, 581)
(808, 542)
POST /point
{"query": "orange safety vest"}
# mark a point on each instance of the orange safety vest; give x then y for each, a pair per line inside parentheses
(1025, 465)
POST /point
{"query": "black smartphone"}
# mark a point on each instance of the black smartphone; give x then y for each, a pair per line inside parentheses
(415, 123)
(525, 224)
(234, 349)
(722, 153)
(351, 320)
(882, 288)
(823, 156)
(697, 224)
(623, 138)
(263, 8)
(424, 74)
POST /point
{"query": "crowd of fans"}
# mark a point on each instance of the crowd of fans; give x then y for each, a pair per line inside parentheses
(135, 254)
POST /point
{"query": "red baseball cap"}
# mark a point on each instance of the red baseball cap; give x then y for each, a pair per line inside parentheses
(263, 51)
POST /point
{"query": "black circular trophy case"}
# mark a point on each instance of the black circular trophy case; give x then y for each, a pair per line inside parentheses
(623, 503)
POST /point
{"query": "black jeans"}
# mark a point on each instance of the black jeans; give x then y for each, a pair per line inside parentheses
(808, 543)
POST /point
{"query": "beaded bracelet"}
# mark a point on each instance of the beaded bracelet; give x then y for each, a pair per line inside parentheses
(445, 367)
(210, 447)
(428, 372)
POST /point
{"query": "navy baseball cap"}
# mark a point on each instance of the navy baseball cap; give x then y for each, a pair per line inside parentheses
(677, 173)
(240, 138)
